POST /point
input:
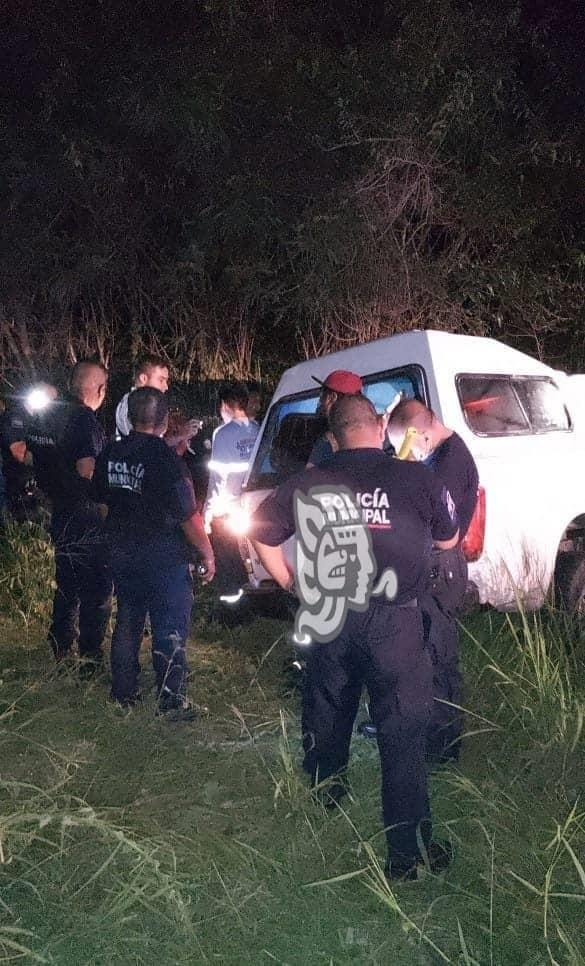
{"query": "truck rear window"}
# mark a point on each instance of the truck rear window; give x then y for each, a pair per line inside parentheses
(511, 405)
(293, 425)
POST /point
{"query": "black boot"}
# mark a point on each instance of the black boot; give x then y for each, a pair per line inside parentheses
(437, 859)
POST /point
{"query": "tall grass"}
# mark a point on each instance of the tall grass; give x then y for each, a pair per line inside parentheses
(26, 573)
(126, 840)
(516, 814)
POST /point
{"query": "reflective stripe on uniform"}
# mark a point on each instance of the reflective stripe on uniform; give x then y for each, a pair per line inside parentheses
(219, 466)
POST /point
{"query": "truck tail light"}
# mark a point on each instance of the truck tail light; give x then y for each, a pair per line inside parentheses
(472, 543)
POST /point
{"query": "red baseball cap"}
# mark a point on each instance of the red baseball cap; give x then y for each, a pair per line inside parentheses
(341, 381)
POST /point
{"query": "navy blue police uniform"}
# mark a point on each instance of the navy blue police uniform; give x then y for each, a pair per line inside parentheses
(149, 494)
(455, 467)
(405, 509)
(67, 433)
(42, 433)
(21, 495)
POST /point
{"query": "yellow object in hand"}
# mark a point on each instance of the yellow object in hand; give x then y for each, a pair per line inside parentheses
(405, 449)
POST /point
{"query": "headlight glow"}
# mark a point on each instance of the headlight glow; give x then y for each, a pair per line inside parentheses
(239, 520)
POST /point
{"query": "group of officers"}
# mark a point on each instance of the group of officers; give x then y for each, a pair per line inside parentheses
(124, 517)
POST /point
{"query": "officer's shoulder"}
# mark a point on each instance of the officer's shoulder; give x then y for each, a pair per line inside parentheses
(461, 447)
(77, 413)
(302, 480)
(412, 473)
(158, 444)
(158, 449)
(113, 449)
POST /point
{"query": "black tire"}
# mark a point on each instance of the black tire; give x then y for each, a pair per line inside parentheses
(570, 583)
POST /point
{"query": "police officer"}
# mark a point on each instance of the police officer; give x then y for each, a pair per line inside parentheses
(40, 438)
(381, 646)
(231, 447)
(64, 459)
(446, 454)
(26, 419)
(337, 384)
(153, 529)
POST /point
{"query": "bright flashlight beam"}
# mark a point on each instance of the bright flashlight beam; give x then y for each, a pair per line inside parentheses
(37, 400)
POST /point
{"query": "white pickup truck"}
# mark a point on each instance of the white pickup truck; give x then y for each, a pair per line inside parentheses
(524, 423)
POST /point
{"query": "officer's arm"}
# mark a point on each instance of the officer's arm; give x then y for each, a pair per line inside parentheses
(447, 544)
(274, 562)
(86, 467)
(270, 527)
(196, 536)
(444, 515)
(184, 433)
(18, 451)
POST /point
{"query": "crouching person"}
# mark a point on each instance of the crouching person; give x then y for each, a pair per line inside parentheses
(153, 531)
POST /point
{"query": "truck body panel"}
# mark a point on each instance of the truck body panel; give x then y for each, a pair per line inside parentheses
(534, 481)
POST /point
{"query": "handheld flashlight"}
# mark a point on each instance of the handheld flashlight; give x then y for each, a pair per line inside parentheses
(37, 400)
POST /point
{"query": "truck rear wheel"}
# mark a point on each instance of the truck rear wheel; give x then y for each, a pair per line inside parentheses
(570, 583)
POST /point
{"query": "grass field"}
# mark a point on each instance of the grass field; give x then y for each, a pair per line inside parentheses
(125, 839)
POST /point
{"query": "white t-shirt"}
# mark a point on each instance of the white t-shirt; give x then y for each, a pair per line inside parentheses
(123, 424)
(231, 447)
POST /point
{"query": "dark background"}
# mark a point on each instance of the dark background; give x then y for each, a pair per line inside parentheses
(239, 184)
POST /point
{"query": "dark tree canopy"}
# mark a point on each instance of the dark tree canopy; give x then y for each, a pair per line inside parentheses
(235, 183)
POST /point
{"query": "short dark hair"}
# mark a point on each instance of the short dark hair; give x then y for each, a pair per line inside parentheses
(80, 371)
(253, 386)
(147, 407)
(144, 364)
(351, 412)
(234, 394)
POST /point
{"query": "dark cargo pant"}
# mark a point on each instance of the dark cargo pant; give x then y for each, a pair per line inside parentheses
(383, 649)
(440, 603)
(166, 595)
(84, 586)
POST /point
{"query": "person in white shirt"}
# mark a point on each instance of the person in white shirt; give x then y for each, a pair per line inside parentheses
(149, 371)
(231, 447)
(152, 372)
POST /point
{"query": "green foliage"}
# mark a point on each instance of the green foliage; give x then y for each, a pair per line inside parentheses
(26, 574)
(199, 174)
(124, 839)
